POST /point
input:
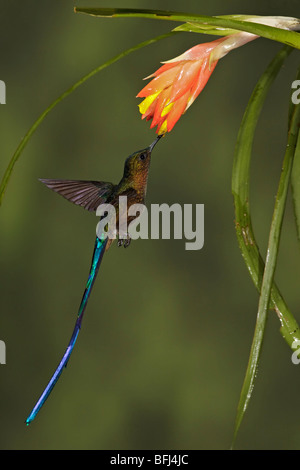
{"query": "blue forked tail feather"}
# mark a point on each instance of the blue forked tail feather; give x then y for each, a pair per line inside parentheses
(99, 250)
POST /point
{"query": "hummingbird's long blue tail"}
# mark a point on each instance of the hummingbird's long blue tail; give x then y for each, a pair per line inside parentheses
(99, 250)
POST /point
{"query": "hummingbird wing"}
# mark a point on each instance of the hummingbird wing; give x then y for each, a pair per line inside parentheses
(88, 194)
(99, 250)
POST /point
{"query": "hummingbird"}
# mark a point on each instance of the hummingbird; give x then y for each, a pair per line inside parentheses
(90, 195)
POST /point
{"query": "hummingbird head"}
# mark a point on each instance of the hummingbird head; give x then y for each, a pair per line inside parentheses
(137, 165)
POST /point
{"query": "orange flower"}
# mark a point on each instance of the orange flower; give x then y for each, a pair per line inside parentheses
(179, 81)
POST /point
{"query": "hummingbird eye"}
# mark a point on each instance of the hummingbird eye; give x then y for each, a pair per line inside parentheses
(143, 156)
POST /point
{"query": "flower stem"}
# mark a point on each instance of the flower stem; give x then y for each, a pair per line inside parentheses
(290, 38)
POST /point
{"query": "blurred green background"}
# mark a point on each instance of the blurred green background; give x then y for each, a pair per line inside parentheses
(161, 357)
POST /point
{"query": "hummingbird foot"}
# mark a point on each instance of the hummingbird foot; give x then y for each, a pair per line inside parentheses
(124, 241)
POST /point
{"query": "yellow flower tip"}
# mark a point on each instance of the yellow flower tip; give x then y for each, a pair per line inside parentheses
(166, 109)
(189, 103)
(144, 105)
(163, 128)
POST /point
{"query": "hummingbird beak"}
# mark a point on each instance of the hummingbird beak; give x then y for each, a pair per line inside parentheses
(155, 142)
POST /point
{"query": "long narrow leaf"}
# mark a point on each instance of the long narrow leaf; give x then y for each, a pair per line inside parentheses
(295, 178)
(40, 119)
(240, 190)
(202, 28)
(296, 188)
(290, 38)
(271, 258)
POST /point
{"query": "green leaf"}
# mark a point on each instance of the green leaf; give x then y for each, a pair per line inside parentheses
(204, 29)
(296, 187)
(262, 276)
(295, 179)
(240, 190)
(30, 132)
(290, 38)
(210, 29)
